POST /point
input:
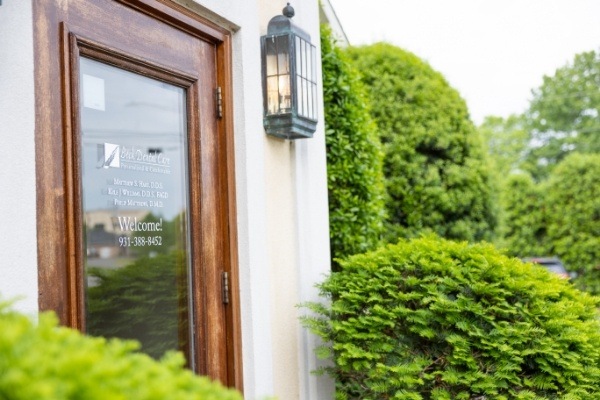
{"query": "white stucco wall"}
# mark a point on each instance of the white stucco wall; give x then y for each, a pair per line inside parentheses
(251, 191)
(298, 224)
(18, 248)
(282, 215)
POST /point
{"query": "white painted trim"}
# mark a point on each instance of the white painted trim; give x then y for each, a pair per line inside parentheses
(328, 16)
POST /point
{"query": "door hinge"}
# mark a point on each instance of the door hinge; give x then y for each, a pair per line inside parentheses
(219, 102)
(225, 287)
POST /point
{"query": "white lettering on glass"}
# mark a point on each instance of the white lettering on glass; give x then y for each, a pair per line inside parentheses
(129, 224)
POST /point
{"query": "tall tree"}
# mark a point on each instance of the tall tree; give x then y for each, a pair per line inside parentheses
(507, 140)
(436, 175)
(564, 115)
(354, 157)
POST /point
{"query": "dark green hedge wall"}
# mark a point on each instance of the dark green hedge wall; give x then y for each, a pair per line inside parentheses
(354, 174)
(572, 195)
(558, 217)
(524, 219)
(437, 178)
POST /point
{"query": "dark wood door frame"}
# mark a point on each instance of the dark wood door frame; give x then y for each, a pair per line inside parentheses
(58, 210)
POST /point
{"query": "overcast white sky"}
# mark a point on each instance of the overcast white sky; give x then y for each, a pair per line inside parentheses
(492, 51)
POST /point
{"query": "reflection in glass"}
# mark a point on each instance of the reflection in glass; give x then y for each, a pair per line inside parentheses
(299, 95)
(306, 85)
(279, 90)
(283, 58)
(285, 95)
(135, 207)
(271, 57)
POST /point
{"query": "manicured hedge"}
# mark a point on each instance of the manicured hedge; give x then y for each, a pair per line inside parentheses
(558, 217)
(524, 231)
(354, 157)
(434, 319)
(572, 195)
(437, 176)
(44, 361)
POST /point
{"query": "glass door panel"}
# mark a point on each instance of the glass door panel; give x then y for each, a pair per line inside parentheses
(134, 191)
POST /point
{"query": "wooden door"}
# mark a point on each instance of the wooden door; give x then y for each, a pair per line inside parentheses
(136, 217)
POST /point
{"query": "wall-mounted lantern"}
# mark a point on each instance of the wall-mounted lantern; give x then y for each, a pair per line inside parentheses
(289, 79)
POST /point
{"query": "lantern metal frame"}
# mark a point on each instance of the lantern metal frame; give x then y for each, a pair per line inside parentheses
(289, 79)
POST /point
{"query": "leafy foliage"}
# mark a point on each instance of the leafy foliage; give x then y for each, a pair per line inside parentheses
(559, 215)
(507, 140)
(564, 115)
(45, 361)
(434, 319)
(572, 194)
(523, 219)
(354, 158)
(434, 164)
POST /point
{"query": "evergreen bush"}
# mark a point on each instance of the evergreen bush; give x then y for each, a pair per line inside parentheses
(572, 195)
(45, 361)
(436, 174)
(435, 319)
(524, 218)
(354, 158)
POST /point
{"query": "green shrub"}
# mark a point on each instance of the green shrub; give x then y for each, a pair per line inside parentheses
(434, 319)
(354, 158)
(45, 361)
(572, 195)
(437, 178)
(524, 217)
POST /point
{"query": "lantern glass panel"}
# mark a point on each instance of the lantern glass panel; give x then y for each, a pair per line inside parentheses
(299, 56)
(271, 50)
(311, 105)
(313, 65)
(299, 103)
(305, 56)
(314, 97)
(283, 55)
(305, 97)
(285, 94)
(272, 95)
(300, 72)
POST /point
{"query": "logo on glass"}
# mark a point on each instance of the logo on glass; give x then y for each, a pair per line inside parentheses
(110, 155)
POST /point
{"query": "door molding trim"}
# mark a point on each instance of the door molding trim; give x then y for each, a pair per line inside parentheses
(181, 17)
